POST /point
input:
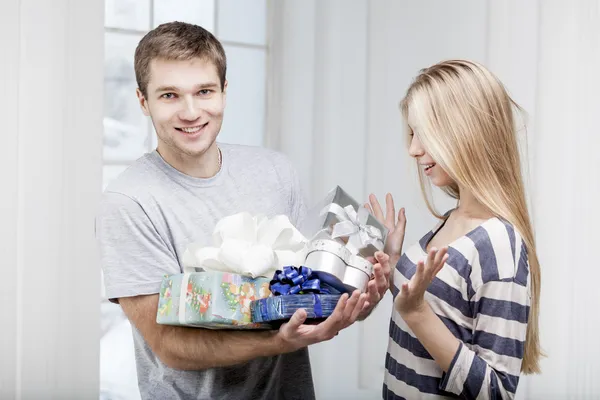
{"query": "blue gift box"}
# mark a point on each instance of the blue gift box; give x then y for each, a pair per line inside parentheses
(294, 288)
(281, 308)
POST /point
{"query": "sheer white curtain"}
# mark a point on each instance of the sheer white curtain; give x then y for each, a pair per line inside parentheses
(566, 194)
(50, 172)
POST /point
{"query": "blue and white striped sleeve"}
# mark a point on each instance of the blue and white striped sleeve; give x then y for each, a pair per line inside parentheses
(489, 367)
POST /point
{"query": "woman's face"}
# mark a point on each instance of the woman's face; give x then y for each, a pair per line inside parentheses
(438, 176)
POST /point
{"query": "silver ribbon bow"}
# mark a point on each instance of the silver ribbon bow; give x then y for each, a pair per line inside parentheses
(353, 225)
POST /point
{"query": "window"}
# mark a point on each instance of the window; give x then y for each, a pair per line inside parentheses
(128, 134)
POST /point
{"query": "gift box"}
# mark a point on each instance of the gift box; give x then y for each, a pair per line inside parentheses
(249, 245)
(221, 280)
(210, 299)
(344, 236)
(339, 216)
(293, 288)
(278, 309)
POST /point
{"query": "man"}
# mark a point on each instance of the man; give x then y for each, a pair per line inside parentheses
(174, 196)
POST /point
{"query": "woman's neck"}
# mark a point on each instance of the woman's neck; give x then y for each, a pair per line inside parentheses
(470, 207)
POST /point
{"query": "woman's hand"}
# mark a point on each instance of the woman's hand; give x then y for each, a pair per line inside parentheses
(395, 226)
(410, 302)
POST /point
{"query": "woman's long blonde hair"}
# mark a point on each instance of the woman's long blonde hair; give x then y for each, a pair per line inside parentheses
(466, 124)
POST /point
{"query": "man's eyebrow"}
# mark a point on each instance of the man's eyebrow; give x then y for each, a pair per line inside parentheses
(169, 88)
(166, 89)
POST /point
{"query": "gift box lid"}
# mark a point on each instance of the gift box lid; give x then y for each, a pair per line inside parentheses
(315, 221)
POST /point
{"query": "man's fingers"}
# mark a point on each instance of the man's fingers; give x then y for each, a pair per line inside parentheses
(351, 304)
(383, 259)
(373, 291)
(298, 318)
(341, 304)
(377, 270)
(336, 316)
(338, 311)
(358, 308)
(381, 280)
(386, 267)
(366, 305)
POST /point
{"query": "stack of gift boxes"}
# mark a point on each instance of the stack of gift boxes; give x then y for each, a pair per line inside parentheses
(258, 279)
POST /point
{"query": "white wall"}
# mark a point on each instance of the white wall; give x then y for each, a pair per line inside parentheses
(51, 113)
(342, 68)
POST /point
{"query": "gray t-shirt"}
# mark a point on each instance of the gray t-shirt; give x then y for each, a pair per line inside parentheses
(149, 215)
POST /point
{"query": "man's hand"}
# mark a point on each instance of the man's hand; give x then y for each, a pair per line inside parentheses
(294, 334)
(378, 284)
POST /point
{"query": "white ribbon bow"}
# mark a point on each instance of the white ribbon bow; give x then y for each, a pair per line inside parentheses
(353, 225)
(250, 245)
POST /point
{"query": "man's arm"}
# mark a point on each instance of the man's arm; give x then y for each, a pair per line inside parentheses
(197, 349)
(191, 348)
(135, 258)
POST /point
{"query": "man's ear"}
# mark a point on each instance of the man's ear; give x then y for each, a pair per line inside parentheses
(143, 102)
(224, 93)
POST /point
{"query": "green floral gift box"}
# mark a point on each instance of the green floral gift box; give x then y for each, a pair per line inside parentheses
(211, 299)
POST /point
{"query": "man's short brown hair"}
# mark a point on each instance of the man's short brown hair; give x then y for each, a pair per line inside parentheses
(177, 41)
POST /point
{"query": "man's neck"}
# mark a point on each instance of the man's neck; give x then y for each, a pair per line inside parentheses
(205, 165)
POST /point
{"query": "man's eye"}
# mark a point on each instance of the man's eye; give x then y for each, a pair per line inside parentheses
(168, 96)
(205, 92)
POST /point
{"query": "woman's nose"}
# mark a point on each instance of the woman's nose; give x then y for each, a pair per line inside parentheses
(415, 149)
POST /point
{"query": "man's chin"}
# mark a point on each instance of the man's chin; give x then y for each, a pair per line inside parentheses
(180, 146)
(195, 150)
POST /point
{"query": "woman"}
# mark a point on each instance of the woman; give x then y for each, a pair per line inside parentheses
(465, 318)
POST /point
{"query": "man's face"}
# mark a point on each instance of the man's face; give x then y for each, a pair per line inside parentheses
(186, 103)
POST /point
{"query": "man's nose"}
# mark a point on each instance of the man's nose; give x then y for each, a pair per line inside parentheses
(190, 110)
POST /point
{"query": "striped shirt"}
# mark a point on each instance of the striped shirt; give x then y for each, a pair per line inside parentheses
(482, 296)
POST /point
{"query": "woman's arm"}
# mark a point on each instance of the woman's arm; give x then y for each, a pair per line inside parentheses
(489, 368)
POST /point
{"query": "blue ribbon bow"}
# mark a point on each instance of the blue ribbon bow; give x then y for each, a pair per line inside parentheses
(293, 280)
